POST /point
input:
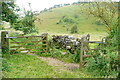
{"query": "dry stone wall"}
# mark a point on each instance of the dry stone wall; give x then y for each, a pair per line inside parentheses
(69, 42)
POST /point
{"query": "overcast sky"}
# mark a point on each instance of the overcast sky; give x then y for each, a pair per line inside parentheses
(38, 5)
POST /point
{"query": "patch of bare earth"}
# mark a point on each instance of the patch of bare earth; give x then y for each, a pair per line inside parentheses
(57, 63)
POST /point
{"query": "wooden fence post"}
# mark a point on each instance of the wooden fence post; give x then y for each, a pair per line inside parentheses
(4, 42)
(81, 55)
(84, 48)
(44, 41)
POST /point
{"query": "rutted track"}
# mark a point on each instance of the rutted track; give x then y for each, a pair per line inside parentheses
(57, 63)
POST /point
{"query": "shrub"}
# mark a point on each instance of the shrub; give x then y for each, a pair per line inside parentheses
(76, 56)
(102, 68)
(27, 23)
(75, 16)
(98, 22)
(74, 29)
(105, 63)
(68, 20)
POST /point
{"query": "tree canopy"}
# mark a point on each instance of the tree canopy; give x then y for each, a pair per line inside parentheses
(107, 12)
(9, 10)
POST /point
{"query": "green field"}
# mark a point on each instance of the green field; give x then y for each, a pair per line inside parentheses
(86, 24)
(28, 66)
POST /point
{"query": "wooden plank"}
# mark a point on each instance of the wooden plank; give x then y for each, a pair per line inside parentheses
(27, 49)
(24, 49)
(10, 37)
(22, 37)
(36, 48)
(41, 48)
(95, 49)
(83, 63)
(25, 46)
(45, 38)
(99, 42)
(20, 49)
(87, 55)
(15, 46)
(26, 42)
(35, 45)
(37, 51)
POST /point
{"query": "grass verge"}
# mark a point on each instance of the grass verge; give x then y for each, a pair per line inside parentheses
(27, 66)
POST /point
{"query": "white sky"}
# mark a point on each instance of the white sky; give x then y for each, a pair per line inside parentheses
(38, 5)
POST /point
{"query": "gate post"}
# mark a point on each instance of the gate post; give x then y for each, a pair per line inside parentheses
(84, 48)
(44, 41)
(81, 54)
(4, 42)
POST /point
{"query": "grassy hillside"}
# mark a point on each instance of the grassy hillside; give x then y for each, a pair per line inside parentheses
(50, 22)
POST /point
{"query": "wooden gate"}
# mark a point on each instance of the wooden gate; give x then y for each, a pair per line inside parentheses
(27, 44)
(85, 48)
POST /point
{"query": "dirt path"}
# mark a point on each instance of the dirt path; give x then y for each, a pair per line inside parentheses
(57, 63)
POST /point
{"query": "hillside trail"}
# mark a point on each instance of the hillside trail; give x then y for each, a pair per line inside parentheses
(57, 63)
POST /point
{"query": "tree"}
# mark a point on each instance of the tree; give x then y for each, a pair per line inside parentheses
(9, 10)
(107, 12)
(26, 24)
(74, 29)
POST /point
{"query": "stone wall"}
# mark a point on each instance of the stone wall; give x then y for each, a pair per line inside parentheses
(69, 42)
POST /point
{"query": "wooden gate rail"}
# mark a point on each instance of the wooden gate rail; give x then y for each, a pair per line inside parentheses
(5, 42)
(30, 41)
(99, 42)
(22, 37)
(82, 55)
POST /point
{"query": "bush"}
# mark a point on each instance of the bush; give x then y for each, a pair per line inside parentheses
(104, 64)
(75, 16)
(26, 24)
(67, 20)
(76, 56)
(74, 29)
(98, 22)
